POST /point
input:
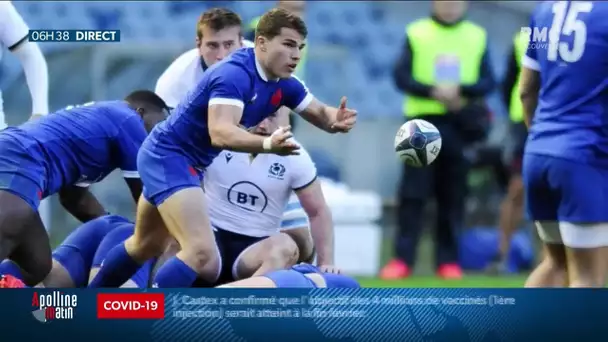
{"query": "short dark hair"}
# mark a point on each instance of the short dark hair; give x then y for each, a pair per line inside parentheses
(273, 21)
(147, 99)
(217, 19)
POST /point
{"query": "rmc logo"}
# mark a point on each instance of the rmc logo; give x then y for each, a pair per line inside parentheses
(537, 37)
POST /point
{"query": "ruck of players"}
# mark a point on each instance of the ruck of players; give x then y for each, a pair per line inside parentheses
(226, 127)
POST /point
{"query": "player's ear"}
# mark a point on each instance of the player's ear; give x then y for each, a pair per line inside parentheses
(140, 111)
(261, 41)
(197, 40)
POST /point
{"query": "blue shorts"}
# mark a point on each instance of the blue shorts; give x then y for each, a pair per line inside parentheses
(290, 279)
(77, 251)
(564, 190)
(113, 239)
(164, 173)
(20, 172)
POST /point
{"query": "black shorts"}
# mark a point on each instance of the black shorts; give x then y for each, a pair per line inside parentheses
(518, 133)
(231, 246)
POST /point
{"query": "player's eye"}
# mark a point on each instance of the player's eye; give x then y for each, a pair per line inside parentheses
(290, 44)
(213, 45)
(228, 45)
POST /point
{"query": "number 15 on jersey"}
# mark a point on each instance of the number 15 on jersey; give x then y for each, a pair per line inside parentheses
(566, 23)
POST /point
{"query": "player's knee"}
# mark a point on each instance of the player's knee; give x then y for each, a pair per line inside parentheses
(202, 257)
(304, 242)
(283, 252)
(37, 272)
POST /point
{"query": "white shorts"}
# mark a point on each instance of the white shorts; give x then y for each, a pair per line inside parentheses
(594, 235)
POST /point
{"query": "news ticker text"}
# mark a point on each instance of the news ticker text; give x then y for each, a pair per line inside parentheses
(153, 305)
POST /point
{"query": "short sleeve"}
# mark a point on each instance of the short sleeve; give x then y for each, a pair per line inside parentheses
(296, 94)
(304, 171)
(229, 86)
(294, 215)
(530, 59)
(130, 137)
(13, 28)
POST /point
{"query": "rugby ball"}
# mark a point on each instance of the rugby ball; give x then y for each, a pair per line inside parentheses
(418, 143)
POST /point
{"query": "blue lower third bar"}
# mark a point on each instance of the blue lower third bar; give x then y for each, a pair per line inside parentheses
(85, 36)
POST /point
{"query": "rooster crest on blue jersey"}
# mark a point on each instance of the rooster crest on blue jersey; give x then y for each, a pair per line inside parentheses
(412, 142)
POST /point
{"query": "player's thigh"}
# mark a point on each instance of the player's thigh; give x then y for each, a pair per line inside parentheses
(60, 277)
(68, 270)
(150, 230)
(33, 254)
(587, 266)
(542, 200)
(279, 247)
(186, 219)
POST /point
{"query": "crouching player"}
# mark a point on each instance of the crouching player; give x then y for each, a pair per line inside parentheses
(247, 196)
(299, 276)
(63, 153)
(73, 259)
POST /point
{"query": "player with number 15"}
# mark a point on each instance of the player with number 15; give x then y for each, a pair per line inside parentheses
(565, 168)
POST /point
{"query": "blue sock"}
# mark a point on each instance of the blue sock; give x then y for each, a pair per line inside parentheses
(175, 274)
(117, 268)
(8, 267)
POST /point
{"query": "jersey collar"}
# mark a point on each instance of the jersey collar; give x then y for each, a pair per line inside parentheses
(261, 73)
(203, 64)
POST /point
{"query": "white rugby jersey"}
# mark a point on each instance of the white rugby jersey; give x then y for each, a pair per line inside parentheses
(13, 30)
(249, 196)
(181, 76)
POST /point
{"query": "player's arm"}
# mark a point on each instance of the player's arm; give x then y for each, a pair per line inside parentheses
(228, 92)
(308, 190)
(328, 118)
(529, 82)
(130, 137)
(13, 34)
(81, 203)
(485, 83)
(529, 87)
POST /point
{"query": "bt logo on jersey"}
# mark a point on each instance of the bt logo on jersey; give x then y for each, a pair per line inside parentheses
(247, 196)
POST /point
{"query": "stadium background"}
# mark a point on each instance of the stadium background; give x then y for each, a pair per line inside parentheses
(352, 46)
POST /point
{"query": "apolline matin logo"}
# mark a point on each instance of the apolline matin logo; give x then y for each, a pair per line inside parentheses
(53, 306)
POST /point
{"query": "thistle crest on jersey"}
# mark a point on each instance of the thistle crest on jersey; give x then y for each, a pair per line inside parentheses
(418, 143)
(53, 306)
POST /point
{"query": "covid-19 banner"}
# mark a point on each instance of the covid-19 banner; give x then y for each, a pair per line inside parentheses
(300, 315)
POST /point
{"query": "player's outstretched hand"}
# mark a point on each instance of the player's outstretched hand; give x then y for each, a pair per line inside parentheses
(329, 269)
(278, 142)
(345, 118)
